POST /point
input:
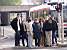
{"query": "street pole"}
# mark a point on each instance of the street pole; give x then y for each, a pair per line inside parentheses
(3, 31)
(59, 26)
(62, 27)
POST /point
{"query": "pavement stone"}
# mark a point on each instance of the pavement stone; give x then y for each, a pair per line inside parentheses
(60, 44)
(8, 40)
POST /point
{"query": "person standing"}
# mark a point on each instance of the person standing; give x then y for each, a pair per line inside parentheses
(54, 31)
(41, 30)
(15, 25)
(43, 35)
(47, 27)
(23, 31)
(37, 32)
(30, 34)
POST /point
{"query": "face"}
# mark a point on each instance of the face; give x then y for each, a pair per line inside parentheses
(36, 21)
(18, 16)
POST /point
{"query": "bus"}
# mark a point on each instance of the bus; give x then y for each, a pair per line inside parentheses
(42, 11)
(39, 11)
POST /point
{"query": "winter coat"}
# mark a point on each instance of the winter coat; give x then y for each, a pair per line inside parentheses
(36, 30)
(54, 25)
(47, 26)
(22, 27)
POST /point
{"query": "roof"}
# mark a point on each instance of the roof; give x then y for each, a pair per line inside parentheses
(36, 8)
(41, 7)
(15, 8)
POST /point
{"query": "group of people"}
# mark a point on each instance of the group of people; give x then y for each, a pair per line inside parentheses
(42, 30)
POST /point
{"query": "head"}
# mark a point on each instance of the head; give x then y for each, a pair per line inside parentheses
(35, 20)
(21, 17)
(29, 20)
(18, 15)
(40, 20)
(43, 20)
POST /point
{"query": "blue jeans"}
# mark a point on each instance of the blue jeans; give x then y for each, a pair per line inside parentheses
(54, 37)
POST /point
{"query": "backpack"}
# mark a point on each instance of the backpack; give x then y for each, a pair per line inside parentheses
(14, 24)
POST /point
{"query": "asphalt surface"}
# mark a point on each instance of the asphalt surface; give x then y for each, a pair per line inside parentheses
(65, 48)
(7, 42)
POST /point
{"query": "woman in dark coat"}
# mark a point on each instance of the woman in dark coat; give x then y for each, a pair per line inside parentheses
(37, 33)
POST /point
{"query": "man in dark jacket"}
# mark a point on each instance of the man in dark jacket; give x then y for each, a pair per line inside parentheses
(15, 27)
(47, 28)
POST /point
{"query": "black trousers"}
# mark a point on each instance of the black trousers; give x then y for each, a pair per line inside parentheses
(17, 38)
(24, 36)
(37, 41)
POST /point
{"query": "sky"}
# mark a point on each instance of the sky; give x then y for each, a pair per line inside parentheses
(59, 1)
(29, 2)
(26, 2)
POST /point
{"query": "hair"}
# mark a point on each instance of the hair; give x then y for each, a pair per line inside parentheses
(35, 19)
(40, 19)
(29, 20)
(18, 14)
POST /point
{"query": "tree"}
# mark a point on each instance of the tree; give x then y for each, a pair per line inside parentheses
(10, 2)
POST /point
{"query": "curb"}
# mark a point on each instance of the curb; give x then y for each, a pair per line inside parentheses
(3, 37)
(62, 45)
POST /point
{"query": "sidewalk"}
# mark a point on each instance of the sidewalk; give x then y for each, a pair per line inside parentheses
(60, 44)
(8, 40)
(3, 37)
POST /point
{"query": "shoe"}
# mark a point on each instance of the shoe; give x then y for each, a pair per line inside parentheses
(17, 46)
(36, 46)
(26, 46)
(30, 47)
(46, 45)
(52, 44)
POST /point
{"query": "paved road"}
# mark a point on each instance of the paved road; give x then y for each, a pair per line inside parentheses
(8, 39)
(8, 42)
(35, 49)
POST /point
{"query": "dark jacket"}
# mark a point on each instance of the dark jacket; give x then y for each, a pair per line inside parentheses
(14, 24)
(54, 25)
(47, 26)
(36, 30)
(22, 27)
(23, 32)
